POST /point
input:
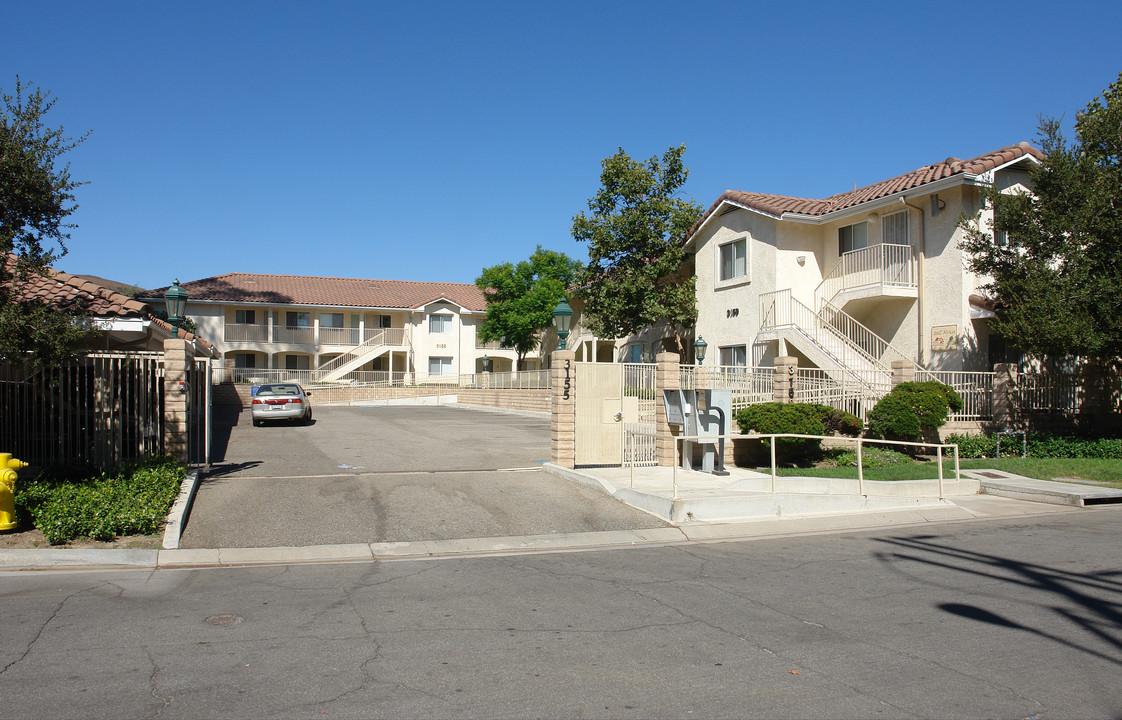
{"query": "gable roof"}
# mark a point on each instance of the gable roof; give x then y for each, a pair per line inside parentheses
(328, 291)
(778, 205)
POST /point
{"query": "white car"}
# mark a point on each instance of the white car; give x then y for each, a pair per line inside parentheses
(281, 401)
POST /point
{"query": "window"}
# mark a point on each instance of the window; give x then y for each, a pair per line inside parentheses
(245, 317)
(385, 321)
(298, 319)
(636, 354)
(296, 362)
(853, 237)
(440, 323)
(734, 356)
(245, 360)
(331, 320)
(440, 366)
(894, 229)
(734, 259)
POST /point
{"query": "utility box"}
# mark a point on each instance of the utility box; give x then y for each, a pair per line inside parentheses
(711, 418)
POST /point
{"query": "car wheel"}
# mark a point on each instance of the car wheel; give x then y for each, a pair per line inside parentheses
(308, 417)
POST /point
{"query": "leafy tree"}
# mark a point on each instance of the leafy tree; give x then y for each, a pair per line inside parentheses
(634, 278)
(521, 298)
(36, 197)
(1060, 269)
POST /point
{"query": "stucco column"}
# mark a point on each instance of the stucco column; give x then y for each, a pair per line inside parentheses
(667, 377)
(902, 372)
(1004, 395)
(178, 357)
(785, 380)
(563, 408)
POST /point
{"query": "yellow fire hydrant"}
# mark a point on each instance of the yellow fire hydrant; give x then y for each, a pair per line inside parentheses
(8, 468)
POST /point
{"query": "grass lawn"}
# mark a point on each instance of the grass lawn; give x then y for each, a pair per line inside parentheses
(1104, 472)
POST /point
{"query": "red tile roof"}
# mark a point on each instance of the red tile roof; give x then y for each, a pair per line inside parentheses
(76, 294)
(342, 292)
(780, 204)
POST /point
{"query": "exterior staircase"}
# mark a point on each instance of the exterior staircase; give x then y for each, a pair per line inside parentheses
(380, 342)
(835, 341)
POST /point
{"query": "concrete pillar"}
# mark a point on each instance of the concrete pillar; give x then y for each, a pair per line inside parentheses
(667, 377)
(785, 380)
(902, 372)
(563, 407)
(1004, 395)
(178, 358)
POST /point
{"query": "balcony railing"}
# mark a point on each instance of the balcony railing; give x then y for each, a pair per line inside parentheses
(246, 333)
(339, 336)
(876, 266)
(298, 335)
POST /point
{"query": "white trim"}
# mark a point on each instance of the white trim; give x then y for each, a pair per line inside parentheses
(122, 324)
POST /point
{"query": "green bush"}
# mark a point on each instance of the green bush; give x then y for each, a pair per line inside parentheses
(912, 409)
(894, 419)
(797, 418)
(131, 500)
(1039, 445)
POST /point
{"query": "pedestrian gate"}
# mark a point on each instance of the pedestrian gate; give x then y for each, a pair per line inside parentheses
(615, 409)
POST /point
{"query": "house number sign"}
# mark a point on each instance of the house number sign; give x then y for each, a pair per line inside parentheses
(566, 395)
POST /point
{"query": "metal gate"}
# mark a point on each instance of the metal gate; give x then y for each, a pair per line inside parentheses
(101, 408)
(199, 412)
(615, 414)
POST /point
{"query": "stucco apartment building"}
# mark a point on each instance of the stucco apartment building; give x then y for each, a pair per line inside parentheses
(339, 326)
(855, 280)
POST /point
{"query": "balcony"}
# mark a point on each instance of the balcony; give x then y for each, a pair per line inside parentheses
(246, 333)
(874, 271)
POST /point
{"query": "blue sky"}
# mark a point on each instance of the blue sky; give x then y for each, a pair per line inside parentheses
(425, 141)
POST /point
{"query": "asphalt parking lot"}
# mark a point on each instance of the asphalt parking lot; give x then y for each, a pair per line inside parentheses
(390, 474)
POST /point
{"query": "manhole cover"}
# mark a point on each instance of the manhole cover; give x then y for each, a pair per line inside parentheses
(223, 620)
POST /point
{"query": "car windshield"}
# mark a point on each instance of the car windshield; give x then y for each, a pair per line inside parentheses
(271, 390)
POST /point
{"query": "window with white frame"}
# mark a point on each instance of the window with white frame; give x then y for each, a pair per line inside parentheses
(385, 321)
(894, 228)
(440, 366)
(245, 360)
(331, 320)
(734, 259)
(636, 353)
(245, 317)
(440, 323)
(853, 237)
(734, 356)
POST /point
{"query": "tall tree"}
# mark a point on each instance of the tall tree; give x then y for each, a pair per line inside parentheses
(634, 278)
(36, 197)
(521, 298)
(1058, 265)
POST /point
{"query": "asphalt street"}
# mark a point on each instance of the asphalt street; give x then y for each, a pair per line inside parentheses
(1011, 618)
(387, 474)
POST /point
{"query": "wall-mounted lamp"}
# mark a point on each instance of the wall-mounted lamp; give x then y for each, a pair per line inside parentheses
(801, 259)
(937, 205)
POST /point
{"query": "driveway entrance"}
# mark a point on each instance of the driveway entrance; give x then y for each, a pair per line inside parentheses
(387, 474)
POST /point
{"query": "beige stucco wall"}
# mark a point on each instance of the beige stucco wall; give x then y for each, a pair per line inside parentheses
(728, 312)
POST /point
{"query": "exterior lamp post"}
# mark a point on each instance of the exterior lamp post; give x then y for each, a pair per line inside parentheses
(486, 364)
(176, 301)
(699, 349)
(562, 319)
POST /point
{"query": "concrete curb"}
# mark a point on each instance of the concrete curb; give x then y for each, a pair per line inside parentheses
(177, 516)
(685, 534)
